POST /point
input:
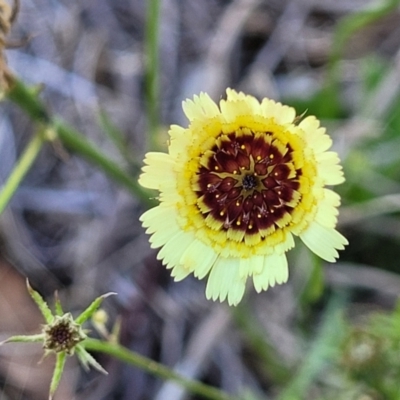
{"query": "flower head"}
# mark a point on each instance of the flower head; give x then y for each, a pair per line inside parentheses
(235, 186)
(62, 335)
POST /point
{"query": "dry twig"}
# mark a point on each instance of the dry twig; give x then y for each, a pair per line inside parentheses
(7, 17)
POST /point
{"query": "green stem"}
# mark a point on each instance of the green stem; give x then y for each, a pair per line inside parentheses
(152, 69)
(154, 368)
(20, 170)
(28, 100)
(78, 144)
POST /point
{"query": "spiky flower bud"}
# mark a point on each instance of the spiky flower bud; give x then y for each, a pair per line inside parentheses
(63, 334)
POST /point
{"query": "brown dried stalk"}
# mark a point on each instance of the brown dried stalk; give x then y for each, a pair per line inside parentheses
(8, 15)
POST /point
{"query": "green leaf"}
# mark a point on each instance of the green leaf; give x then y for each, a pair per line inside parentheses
(88, 360)
(43, 307)
(85, 315)
(58, 306)
(58, 370)
(24, 339)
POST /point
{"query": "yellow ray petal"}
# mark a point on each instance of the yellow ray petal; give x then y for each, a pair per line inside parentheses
(323, 241)
(224, 281)
(275, 270)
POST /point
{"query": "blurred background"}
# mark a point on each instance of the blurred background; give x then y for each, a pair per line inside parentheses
(333, 331)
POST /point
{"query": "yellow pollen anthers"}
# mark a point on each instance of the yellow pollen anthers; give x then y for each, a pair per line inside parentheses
(235, 186)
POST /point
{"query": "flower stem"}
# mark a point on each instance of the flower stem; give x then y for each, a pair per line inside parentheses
(78, 144)
(152, 70)
(21, 168)
(154, 368)
(27, 98)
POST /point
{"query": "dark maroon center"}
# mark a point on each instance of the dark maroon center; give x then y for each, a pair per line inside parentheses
(248, 182)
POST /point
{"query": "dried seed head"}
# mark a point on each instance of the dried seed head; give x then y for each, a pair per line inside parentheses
(63, 334)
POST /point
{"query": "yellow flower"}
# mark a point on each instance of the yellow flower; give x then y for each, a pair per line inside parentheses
(235, 186)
